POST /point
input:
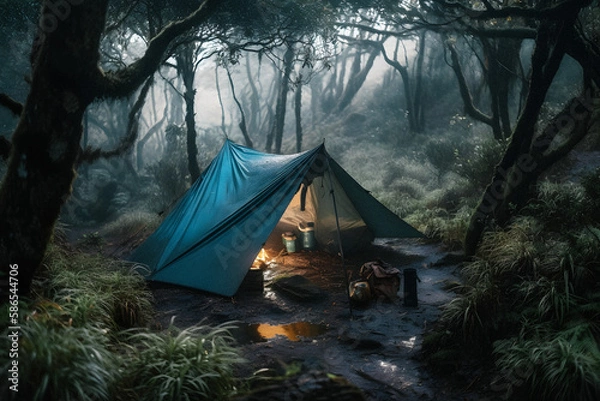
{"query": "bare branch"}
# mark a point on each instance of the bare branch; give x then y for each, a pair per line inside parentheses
(124, 81)
(11, 104)
(125, 15)
(5, 148)
(555, 11)
(464, 89)
(89, 155)
(242, 123)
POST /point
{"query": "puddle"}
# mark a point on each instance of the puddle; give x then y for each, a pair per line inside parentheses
(260, 332)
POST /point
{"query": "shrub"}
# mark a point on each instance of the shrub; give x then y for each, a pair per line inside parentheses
(477, 163)
(131, 224)
(531, 297)
(170, 174)
(438, 224)
(442, 154)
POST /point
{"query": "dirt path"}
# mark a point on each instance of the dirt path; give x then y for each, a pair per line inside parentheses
(377, 349)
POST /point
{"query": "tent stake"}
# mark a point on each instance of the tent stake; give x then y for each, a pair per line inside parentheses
(339, 237)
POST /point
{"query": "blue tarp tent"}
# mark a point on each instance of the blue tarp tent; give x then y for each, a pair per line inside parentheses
(213, 234)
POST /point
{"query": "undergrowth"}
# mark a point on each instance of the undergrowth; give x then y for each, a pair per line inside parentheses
(178, 364)
(531, 301)
(84, 336)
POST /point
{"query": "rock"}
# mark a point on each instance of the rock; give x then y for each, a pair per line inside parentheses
(298, 287)
(452, 258)
(313, 385)
(358, 341)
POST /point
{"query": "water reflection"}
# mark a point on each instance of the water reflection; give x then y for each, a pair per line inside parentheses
(257, 332)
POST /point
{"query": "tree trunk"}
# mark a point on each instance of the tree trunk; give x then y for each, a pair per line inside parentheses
(185, 67)
(418, 97)
(45, 145)
(46, 141)
(298, 114)
(276, 134)
(465, 93)
(242, 123)
(356, 79)
(255, 112)
(220, 97)
(518, 167)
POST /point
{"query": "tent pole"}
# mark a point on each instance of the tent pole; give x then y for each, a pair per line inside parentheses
(339, 237)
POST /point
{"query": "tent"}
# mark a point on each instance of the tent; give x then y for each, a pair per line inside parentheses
(213, 234)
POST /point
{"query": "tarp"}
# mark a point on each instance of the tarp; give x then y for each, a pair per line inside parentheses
(214, 233)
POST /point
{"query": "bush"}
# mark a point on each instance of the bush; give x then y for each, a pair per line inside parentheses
(531, 299)
(171, 173)
(442, 154)
(438, 224)
(477, 163)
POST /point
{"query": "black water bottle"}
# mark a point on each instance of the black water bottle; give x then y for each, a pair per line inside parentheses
(410, 287)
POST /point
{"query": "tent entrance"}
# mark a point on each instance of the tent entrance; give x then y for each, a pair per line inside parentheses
(317, 207)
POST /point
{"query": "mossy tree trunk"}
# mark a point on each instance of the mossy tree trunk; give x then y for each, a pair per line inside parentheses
(528, 155)
(45, 144)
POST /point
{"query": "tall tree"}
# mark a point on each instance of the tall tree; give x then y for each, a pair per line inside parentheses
(531, 151)
(500, 67)
(186, 68)
(278, 123)
(66, 78)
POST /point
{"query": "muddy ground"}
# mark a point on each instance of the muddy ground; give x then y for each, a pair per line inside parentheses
(376, 347)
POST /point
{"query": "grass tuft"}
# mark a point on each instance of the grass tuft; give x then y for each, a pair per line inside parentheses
(62, 363)
(191, 364)
(95, 289)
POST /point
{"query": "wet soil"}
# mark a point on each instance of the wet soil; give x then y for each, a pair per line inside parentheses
(376, 347)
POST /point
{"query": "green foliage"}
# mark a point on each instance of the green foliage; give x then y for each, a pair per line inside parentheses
(62, 363)
(477, 161)
(531, 297)
(559, 206)
(92, 240)
(438, 224)
(131, 223)
(170, 175)
(92, 289)
(191, 364)
(563, 366)
(73, 346)
(442, 153)
(130, 229)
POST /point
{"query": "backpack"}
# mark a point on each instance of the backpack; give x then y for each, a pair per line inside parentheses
(383, 279)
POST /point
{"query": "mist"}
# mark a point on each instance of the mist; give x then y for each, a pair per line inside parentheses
(476, 123)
